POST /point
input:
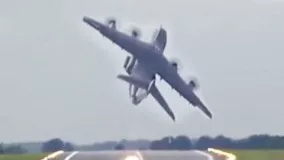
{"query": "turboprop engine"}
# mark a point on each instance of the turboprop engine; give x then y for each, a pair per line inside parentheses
(193, 83)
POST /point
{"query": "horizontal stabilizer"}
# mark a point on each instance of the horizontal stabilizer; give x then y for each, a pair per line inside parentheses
(132, 80)
(159, 98)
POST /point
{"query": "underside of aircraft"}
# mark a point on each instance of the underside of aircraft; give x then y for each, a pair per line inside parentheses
(145, 63)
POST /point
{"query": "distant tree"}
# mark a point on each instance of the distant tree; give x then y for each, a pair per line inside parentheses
(119, 146)
(155, 145)
(1, 149)
(204, 142)
(14, 149)
(164, 143)
(53, 145)
(181, 143)
(278, 142)
(223, 142)
(167, 142)
(263, 142)
(68, 146)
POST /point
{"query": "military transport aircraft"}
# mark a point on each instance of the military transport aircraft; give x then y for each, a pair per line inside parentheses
(151, 62)
(137, 71)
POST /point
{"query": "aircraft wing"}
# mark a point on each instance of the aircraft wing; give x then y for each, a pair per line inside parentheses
(159, 98)
(176, 82)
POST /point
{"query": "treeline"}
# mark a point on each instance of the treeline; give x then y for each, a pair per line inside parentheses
(204, 142)
(57, 144)
(52, 145)
(12, 149)
(185, 143)
(167, 143)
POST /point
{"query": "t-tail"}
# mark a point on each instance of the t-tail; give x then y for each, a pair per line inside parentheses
(160, 39)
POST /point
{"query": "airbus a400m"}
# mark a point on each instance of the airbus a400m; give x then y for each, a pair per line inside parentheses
(147, 60)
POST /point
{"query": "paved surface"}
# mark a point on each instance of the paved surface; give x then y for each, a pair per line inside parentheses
(136, 155)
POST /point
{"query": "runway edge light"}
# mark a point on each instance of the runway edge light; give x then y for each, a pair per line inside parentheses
(229, 156)
(53, 155)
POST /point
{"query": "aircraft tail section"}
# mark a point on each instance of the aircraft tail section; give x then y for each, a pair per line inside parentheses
(160, 39)
(151, 88)
(134, 81)
(160, 99)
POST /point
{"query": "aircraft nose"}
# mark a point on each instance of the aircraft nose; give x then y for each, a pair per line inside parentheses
(92, 22)
(86, 19)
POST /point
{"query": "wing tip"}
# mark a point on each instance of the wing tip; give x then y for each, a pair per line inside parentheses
(205, 111)
(209, 114)
(173, 118)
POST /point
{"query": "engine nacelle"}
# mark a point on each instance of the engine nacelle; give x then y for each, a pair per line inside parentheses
(193, 84)
(175, 65)
(111, 23)
(135, 32)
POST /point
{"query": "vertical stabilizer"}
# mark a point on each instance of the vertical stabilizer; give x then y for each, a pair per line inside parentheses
(160, 39)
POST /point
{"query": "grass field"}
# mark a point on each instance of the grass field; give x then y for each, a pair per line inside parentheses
(258, 154)
(23, 157)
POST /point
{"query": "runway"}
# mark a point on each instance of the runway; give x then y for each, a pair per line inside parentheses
(136, 155)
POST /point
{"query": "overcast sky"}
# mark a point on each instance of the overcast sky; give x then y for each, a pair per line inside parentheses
(58, 75)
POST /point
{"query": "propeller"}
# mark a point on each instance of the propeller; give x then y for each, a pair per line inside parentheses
(176, 64)
(135, 32)
(111, 21)
(193, 82)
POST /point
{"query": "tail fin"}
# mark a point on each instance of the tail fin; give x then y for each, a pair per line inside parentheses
(160, 39)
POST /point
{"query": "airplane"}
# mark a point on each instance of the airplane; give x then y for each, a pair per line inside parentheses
(151, 57)
(137, 70)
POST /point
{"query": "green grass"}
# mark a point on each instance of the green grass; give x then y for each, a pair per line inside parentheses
(258, 154)
(23, 157)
